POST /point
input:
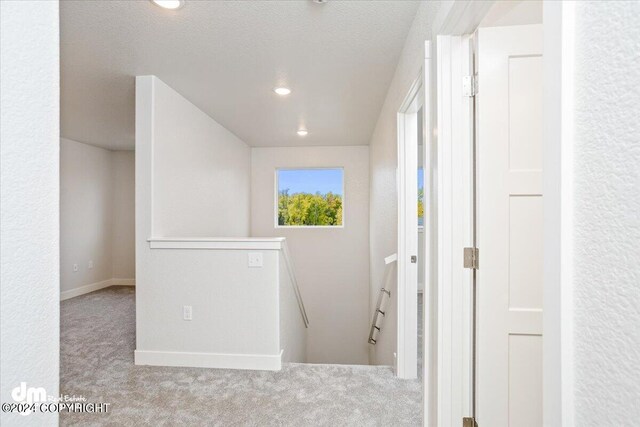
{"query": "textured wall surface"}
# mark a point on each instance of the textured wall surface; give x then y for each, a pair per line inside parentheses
(29, 131)
(607, 214)
(201, 171)
(382, 165)
(331, 264)
(86, 214)
(192, 179)
(97, 215)
(124, 227)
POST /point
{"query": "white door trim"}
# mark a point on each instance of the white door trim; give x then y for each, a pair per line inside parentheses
(558, 26)
(407, 283)
(447, 390)
(430, 242)
(453, 231)
(558, 69)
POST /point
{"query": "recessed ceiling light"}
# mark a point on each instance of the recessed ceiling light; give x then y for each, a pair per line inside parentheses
(282, 91)
(169, 4)
(303, 132)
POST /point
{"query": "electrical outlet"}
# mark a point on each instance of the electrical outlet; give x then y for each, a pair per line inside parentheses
(255, 259)
(187, 312)
(90, 266)
(75, 268)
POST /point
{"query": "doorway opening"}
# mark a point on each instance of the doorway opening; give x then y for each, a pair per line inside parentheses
(411, 232)
(489, 85)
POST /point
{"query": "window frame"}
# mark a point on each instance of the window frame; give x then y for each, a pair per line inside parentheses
(276, 192)
(424, 215)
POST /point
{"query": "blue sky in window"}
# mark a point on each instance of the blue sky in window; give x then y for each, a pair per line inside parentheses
(310, 180)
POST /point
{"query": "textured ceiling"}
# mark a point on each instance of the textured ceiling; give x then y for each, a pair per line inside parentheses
(226, 57)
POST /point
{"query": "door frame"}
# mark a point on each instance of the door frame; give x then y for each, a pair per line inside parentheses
(454, 231)
(557, 355)
(407, 273)
(445, 394)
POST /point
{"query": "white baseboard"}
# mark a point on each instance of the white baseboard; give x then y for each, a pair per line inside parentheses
(258, 362)
(71, 293)
(84, 289)
(123, 282)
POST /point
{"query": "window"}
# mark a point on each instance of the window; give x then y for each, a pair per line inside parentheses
(420, 197)
(310, 197)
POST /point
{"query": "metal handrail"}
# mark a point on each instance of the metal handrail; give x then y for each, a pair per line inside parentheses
(376, 324)
(294, 281)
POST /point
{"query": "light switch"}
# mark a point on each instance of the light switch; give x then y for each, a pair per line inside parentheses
(255, 259)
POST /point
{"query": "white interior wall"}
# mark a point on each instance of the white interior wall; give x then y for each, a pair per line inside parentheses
(606, 214)
(235, 309)
(331, 264)
(86, 220)
(513, 12)
(124, 248)
(96, 217)
(29, 189)
(192, 178)
(201, 171)
(383, 162)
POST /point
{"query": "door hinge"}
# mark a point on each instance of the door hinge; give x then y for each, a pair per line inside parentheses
(471, 258)
(469, 422)
(470, 85)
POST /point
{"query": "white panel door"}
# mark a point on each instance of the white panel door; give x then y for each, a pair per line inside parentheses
(510, 225)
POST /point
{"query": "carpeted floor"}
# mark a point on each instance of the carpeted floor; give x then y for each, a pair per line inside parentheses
(97, 343)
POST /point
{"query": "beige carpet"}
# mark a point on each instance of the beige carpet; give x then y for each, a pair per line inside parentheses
(97, 343)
